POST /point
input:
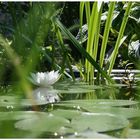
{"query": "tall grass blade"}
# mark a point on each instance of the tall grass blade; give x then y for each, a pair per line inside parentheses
(91, 33)
(119, 39)
(97, 34)
(81, 12)
(87, 8)
(106, 32)
(65, 54)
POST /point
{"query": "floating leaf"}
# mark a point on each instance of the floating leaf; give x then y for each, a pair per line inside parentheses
(99, 122)
(48, 123)
(19, 115)
(98, 102)
(68, 114)
(75, 91)
(77, 84)
(86, 86)
(8, 101)
(116, 85)
(31, 102)
(15, 101)
(125, 112)
(103, 106)
(89, 134)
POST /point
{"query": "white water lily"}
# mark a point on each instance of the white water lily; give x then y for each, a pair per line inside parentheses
(45, 79)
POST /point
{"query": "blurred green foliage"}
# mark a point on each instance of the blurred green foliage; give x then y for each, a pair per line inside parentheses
(31, 33)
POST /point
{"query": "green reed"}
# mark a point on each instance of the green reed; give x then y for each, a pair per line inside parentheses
(93, 22)
(93, 18)
(91, 35)
(106, 32)
(120, 38)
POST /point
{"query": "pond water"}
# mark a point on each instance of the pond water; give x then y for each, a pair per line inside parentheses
(71, 110)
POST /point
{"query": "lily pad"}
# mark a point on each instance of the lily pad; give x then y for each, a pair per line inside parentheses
(98, 102)
(15, 101)
(99, 122)
(86, 86)
(9, 101)
(103, 106)
(125, 112)
(116, 85)
(19, 115)
(68, 114)
(75, 91)
(89, 134)
(48, 123)
(76, 86)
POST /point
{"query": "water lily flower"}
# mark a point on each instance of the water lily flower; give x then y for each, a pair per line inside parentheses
(45, 79)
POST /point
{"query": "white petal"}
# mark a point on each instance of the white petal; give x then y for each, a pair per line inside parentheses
(45, 79)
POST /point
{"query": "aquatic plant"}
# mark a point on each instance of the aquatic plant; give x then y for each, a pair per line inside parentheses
(45, 79)
(83, 110)
(120, 38)
(93, 26)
